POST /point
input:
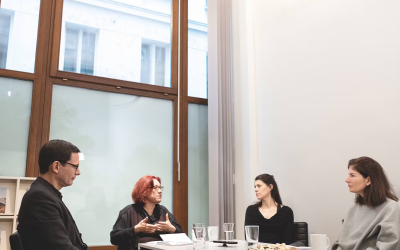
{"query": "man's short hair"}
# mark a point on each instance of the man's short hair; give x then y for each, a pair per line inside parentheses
(55, 150)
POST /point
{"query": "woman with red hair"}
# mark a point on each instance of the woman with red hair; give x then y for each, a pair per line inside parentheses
(144, 220)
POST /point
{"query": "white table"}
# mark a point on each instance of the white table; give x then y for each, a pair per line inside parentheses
(242, 245)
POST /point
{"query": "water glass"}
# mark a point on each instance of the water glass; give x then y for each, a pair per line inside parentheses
(197, 225)
(199, 237)
(252, 234)
(213, 233)
(228, 230)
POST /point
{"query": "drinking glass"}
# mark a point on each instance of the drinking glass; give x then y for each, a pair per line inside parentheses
(212, 233)
(228, 230)
(199, 225)
(252, 234)
(199, 238)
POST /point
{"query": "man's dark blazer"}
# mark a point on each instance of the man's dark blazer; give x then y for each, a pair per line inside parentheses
(45, 222)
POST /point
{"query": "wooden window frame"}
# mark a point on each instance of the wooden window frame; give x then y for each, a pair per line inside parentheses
(47, 74)
(56, 38)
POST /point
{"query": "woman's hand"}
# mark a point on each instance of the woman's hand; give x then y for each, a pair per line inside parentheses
(165, 226)
(143, 227)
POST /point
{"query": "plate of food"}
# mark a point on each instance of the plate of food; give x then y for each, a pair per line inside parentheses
(282, 246)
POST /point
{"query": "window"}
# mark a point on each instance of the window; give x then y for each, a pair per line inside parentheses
(18, 34)
(197, 164)
(91, 59)
(133, 40)
(153, 64)
(15, 113)
(197, 50)
(80, 44)
(133, 134)
(5, 22)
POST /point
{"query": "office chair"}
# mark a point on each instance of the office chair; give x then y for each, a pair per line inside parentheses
(16, 241)
(300, 233)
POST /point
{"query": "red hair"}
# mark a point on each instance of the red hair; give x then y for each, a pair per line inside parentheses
(141, 188)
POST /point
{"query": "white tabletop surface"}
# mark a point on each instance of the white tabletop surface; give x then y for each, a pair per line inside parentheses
(242, 245)
(208, 246)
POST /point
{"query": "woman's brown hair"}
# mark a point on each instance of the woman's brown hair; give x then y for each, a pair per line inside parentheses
(270, 180)
(380, 188)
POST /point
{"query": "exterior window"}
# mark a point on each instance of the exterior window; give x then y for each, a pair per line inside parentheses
(5, 21)
(153, 64)
(79, 50)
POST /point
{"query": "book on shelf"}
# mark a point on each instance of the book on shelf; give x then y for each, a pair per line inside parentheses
(3, 201)
(3, 239)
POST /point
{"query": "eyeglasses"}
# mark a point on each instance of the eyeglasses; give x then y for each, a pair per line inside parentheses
(75, 166)
(155, 188)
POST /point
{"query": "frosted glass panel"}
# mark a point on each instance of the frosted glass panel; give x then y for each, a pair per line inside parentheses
(120, 39)
(123, 138)
(15, 115)
(19, 21)
(198, 49)
(198, 164)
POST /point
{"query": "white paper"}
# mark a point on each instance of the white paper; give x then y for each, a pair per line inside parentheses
(176, 239)
(157, 242)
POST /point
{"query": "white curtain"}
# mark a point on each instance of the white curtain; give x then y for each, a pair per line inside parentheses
(221, 120)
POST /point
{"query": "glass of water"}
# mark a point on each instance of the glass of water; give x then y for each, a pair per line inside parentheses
(252, 235)
(199, 238)
(199, 225)
(228, 230)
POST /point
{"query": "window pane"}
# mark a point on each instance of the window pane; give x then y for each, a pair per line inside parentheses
(15, 113)
(198, 49)
(18, 34)
(198, 164)
(123, 138)
(120, 31)
(4, 37)
(160, 66)
(145, 70)
(88, 46)
(71, 47)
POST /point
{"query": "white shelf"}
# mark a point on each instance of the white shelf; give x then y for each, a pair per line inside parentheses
(7, 217)
(17, 178)
(16, 188)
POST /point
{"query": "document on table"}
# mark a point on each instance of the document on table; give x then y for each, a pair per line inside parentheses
(176, 239)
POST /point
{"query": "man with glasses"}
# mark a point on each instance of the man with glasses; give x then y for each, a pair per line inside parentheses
(44, 220)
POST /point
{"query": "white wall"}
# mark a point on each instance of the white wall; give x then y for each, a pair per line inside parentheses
(324, 89)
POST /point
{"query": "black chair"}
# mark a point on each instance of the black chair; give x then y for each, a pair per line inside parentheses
(16, 241)
(301, 232)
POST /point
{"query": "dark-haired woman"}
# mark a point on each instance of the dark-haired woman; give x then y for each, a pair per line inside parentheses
(144, 220)
(275, 220)
(374, 220)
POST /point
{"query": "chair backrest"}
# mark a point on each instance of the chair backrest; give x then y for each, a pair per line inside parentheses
(301, 232)
(16, 241)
